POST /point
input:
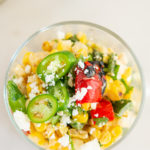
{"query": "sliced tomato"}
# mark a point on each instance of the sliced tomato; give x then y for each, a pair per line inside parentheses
(103, 109)
(89, 78)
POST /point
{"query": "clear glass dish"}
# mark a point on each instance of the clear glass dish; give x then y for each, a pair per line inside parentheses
(100, 35)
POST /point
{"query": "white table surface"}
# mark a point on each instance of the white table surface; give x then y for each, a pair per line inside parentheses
(128, 18)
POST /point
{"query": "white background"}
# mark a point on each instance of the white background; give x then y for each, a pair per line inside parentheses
(128, 18)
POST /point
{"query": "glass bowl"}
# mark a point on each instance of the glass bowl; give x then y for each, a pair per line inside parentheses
(100, 35)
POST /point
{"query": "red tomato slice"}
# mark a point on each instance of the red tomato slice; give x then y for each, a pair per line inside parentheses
(94, 92)
(104, 109)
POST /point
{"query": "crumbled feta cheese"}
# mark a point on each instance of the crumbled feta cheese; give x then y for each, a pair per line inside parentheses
(89, 88)
(18, 81)
(101, 124)
(49, 79)
(96, 115)
(93, 105)
(22, 120)
(69, 75)
(52, 136)
(75, 112)
(92, 130)
(27, 69)
(60, 113)
(86, 71)
(60, 34)
(80, 95)
(37, 124)
(65, 120)
(91, 145)
(34, 90)
(64, 141)
(81, 64)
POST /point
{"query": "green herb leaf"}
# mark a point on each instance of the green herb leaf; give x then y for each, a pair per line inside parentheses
(74, 38)
(116, 69)
(121, 106)
(102, 120)
(128, 88)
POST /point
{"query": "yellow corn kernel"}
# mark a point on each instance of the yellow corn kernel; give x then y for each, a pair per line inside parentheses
(28, 88)
(115, 89)
(46, 46)
(26, 58)
(49, 131)
(128, 95)
(86, 106)
(43, 142)
(62, 130)
(53, 145)
(110, 50)
(90, 50)
(82, 118)
(95, 132)
(116, 132)
(68, 35)
(40, 128)
(83, 52)
(64, 45)
(105, 58)
(82, 37)
(19, 70)
(126, 75)
(108, 144)
(64, 148)
(105, 138)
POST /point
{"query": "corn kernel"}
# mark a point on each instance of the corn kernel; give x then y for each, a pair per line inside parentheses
(26, 58)
(40, 128)
(53, 145)
(68, 35)
(105, 138)
(127, 75)
(95, 132)
(62, 130)
(115, 89)
(128, 95)
(19, 70)
(82, 118)
(46, 46)
(49, 131)
(64, 148)
(86, 106)
(82, 37)
(116, 131)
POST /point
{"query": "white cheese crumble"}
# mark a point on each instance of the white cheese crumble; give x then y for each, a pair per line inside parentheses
(18, 81)
(93, 105)
(86, 71)
(96, 115)
(92, 130)
(49, 79)
(89, 88)
(91, 145)
(34, 90)
(80, 95)
(27, 69)
(22, 120)
(81, 64)
(52, 136)
(64, 141)
(65, 120)
(75, 112)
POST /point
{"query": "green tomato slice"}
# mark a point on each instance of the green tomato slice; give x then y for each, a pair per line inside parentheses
(61, 93)
(41, 108)
(55, 66)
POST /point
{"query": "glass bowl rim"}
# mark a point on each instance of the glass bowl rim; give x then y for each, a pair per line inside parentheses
(73, 23)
